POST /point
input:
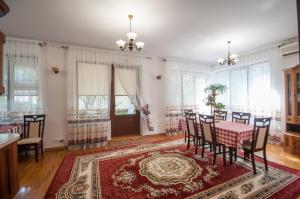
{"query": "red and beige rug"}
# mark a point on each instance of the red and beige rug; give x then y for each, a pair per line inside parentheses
(168, 170)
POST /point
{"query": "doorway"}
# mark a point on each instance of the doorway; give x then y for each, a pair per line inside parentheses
(125, 119)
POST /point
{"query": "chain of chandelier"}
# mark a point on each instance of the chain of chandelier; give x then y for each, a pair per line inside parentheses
(131, 44)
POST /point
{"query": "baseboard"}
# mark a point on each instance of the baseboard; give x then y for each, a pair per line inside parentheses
(56, 148)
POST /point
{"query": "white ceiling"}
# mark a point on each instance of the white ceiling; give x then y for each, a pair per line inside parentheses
(190, 29)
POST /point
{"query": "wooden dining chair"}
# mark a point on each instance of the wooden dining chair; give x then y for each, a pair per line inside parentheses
(240, 117)
(207, 124)
(220, 115)
(259, 140)
(192, 129)
(186, 112)
(32, 137)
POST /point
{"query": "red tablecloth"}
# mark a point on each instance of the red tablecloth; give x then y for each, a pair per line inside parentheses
(11, 128)
(228, 133)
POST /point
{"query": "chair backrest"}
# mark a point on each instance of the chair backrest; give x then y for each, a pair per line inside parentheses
(240, 117)
(187, 112)
(260, 132)
(191, 124)
(220, 115)
(34, 126)
(207, 124)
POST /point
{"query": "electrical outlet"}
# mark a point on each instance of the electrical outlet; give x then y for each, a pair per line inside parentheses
(58, 140)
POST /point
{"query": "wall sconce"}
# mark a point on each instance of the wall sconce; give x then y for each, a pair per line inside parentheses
(55, 69)
(158, 77)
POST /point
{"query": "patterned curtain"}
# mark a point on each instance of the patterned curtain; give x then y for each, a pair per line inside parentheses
(22, 82)
(87, 129)
(88, 115)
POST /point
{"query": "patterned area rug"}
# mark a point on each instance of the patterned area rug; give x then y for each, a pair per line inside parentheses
(168, 170)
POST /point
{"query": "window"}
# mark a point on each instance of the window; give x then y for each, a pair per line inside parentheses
(238, 88)
(249, 89)
(186, 89)
(93, 88)
(22, 93)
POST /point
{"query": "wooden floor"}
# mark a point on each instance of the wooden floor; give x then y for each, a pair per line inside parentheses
(35, 178)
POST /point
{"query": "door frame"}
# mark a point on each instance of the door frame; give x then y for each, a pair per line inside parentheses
(114, 118)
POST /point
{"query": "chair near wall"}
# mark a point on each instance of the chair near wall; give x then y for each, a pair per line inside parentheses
(186, 112)
(32, 137)
(192, 130)
(207, 124)
(220, 115)
(240, 117)
(259, 140)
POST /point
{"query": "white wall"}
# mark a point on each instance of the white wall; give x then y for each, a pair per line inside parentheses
(153, 92)
(54, 96)
(290, 60)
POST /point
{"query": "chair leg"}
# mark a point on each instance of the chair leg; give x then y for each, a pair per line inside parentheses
(203, 144)
(42, 148)
(219, 148)
(188, 142)
(235, 154)
(36, 152)
(215, 154)
(253, 162)
(224, 155)
(184, 136)
(265, 160)
(194, 139)
(196, 147)
(230, 154)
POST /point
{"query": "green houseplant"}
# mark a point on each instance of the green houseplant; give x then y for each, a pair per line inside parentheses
(213, 90)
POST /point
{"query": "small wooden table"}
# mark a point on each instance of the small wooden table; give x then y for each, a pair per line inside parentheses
(9, 182)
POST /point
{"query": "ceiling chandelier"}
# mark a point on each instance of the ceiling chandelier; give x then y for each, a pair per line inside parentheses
(131, 37)
(231, 58)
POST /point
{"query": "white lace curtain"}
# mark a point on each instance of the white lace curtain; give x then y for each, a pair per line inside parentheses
(21, 78)
(88, 83)
(185, 85)
(128, 71)
(253, 86)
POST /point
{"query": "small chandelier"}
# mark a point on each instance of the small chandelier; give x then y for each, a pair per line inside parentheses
(231, 58)
(131, 37)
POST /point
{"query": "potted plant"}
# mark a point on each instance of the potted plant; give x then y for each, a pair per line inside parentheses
(213, 90)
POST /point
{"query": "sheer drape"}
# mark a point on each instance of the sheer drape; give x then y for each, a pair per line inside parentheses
(81, 120)
(21, 79)
(129, 79)
(128, 70)
(254, 86)
(238, 89)
(89, 79)
(184, 90)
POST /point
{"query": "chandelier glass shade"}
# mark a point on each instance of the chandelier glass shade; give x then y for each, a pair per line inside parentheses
(231, 58)
(131, 44)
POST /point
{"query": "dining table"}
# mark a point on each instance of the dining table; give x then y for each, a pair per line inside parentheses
(228, 133)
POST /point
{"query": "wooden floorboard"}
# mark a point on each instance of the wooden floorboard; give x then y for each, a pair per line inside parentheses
(35, 178)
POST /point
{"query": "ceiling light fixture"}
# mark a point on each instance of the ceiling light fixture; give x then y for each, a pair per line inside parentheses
(131, 37)
(231, 58)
